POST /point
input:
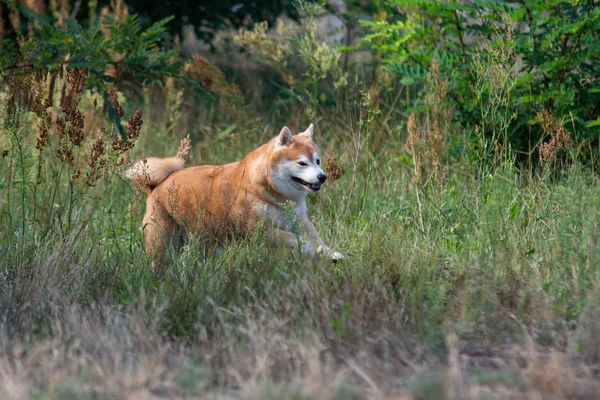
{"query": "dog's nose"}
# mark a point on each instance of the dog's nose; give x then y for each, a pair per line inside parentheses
(322, 178)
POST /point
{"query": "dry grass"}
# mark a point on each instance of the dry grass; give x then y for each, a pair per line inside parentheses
(465, 277)
(110, 352)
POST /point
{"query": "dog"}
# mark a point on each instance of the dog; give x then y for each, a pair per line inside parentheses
(241, 194)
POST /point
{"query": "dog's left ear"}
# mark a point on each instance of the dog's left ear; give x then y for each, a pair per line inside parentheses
(308, 132)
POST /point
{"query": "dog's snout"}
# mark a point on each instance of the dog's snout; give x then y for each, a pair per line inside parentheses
(322, 178)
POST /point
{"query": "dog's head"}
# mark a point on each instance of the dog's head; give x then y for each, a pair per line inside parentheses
(296, 164)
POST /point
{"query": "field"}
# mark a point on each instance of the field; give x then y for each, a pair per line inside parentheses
(468, 274)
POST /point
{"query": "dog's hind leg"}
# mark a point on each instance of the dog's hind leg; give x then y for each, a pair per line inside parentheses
(160, 230)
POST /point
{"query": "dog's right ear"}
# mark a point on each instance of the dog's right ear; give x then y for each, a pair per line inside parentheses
(284, 139)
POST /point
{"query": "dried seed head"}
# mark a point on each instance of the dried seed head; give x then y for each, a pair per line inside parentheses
(413, 135)
(97, 162)
(184, 148)
(560, 138)
(64, 154)
(77, 78)
(76, 128)
(113, 98)
(172, 198)
(71, 124)
(97, 151)
(212, 78)
(60, 128)
(37, 98)
(43, 126)
(120, 146)
(135, 125)
(125, 160)
(334, 170)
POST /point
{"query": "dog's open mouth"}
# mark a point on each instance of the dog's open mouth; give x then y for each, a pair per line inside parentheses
(315, 187)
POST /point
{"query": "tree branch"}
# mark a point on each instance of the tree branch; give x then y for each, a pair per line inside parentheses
(462, 45)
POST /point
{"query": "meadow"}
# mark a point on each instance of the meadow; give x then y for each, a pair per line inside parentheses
(471, 271)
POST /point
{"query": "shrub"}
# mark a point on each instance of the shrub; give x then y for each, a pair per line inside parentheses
(553, 65)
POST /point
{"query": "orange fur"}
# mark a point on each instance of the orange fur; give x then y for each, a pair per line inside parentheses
(235, 195)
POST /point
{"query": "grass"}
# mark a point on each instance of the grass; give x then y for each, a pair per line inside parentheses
(498, 275)
(478, 282)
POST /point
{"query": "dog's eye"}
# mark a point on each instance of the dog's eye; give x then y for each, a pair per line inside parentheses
(318, 162)
(302, 163)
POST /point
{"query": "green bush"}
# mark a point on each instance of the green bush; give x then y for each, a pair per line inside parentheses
(550, 48)
(120, 43)
(113, 48)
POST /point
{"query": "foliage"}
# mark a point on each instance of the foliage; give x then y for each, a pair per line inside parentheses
(494, 266)
(120, 44)
(205, 17)
(446, 254)
(112, 49)
(553, 59)
(304, 60)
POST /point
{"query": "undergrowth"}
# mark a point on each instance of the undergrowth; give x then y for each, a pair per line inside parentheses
(466, 275)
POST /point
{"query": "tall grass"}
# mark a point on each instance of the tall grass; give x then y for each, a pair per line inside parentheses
(464, 276)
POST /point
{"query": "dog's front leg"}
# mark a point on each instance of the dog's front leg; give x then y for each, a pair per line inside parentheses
(315, 239)
(276, 235)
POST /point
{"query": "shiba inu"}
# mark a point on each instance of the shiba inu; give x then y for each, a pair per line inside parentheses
(241, 194)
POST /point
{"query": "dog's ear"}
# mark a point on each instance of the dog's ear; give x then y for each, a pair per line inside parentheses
(308, 132)
(284, 139)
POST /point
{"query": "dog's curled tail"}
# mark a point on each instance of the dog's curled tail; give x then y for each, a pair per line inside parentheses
(150, 172)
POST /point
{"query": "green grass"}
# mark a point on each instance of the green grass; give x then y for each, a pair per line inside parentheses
(480, 280)
(466, 275)
(503, 270)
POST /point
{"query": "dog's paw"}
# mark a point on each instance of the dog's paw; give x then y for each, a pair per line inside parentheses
(326, 252)
(336, 256)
